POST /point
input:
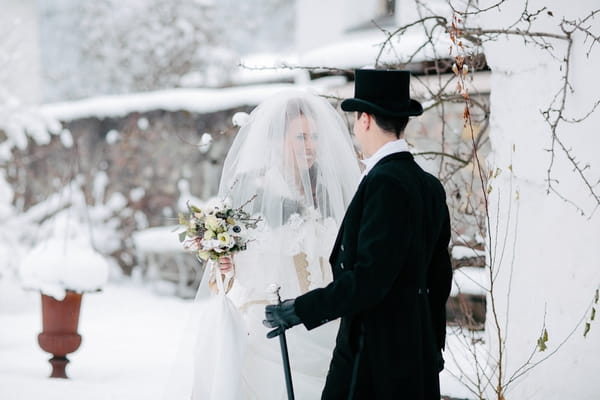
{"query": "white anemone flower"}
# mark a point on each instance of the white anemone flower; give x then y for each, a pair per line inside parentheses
(226, 240)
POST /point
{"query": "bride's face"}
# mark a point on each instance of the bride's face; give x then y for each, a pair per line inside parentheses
(300, 140)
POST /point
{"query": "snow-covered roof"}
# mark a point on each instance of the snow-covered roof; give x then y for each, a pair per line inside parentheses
(193, 100)
(355, 50)
(360, 49)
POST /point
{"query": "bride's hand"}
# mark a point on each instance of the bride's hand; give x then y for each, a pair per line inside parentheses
(226, 269)
(226, 264)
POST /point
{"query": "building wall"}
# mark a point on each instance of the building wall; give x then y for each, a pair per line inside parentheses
(545, 251)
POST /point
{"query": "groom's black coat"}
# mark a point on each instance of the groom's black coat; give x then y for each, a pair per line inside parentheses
(392, 277)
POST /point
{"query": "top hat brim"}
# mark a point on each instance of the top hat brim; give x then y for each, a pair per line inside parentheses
(414, 108)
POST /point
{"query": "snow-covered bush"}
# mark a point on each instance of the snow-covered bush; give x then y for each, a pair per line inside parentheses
(61, 243)
(20, 124)
(8, 246)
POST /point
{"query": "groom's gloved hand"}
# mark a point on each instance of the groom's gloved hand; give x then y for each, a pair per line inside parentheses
(281, 317)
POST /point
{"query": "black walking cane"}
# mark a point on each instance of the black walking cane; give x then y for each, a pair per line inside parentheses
(286, 359)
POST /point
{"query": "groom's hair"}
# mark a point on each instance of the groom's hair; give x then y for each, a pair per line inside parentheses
(394, 125)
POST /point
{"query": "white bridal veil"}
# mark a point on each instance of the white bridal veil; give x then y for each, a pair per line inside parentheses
(295, 157)
(295, 153)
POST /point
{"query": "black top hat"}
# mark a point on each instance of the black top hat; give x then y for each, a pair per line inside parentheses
(383, 92)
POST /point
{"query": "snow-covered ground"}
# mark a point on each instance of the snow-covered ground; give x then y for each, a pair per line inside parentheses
(129, 335)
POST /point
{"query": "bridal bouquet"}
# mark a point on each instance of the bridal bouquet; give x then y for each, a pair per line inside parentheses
(217, 231)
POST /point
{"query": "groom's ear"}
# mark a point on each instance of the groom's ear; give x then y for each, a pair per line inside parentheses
(364, 119)
(367, 120)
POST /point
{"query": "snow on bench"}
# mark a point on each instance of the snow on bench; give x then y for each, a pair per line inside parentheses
(162, 258)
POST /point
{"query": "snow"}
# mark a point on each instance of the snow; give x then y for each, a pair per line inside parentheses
(66, 138)
(470, 280)
(54, 203)
(112, 136)
(462, 252)
(265, 67)
(240, 119)
(130, 337)
(161, 239)
(459, 368)
(137, 194)
(358, 50)
(20, 122)
(60, 243)
(6, 194)
(141, 221)
(143, 123)
(56, 265)
(205, 141)
(193, 100)
(58, 252)
(186, 196)
(99, 186)
(116, 201)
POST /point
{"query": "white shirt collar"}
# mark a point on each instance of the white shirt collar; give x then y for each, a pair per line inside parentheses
(397, 146)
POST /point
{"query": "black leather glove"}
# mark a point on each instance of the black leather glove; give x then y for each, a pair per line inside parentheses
(281, 317)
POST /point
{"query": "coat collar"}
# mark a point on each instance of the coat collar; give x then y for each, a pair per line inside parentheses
(404, 155)
(395, 146)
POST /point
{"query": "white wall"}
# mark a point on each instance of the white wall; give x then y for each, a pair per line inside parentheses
(19, 50)
(552, 251)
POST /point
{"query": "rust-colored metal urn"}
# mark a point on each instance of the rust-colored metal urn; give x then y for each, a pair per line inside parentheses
(59, 334)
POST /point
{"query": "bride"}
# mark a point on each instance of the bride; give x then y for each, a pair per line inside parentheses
(296, 157)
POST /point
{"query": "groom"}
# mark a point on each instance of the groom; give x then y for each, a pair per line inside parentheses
(391, 268)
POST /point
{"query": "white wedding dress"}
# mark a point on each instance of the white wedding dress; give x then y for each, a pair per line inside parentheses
(301, 267)
(296, 156)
